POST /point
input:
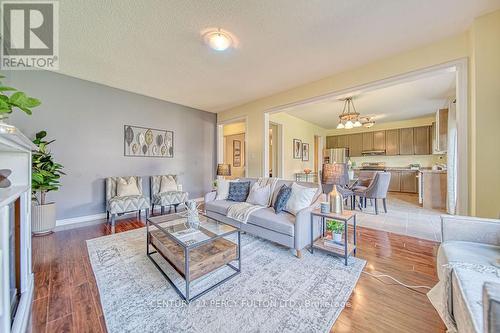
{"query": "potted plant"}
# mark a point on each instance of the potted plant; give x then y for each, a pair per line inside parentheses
(337, 228)
(45, 178)
(18, 100)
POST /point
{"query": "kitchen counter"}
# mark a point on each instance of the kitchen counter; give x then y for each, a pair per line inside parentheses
(432, 171)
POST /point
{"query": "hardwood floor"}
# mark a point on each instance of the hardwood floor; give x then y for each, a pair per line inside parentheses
(66, 297)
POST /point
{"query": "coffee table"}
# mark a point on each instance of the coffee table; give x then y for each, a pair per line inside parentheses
(193, 252)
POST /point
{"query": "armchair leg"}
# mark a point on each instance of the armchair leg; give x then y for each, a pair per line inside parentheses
(162, 210)
(385, 204)
(146, 212)
(175, 208)
(113, 221)
(152, 209)
(139, 214)
(376, 207)
(107, 215)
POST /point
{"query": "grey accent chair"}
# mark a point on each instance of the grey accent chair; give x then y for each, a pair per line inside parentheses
(116, 205)
(170, 198)
(376, 190)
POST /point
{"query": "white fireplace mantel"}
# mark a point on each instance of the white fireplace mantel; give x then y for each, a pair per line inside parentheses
(15, 154)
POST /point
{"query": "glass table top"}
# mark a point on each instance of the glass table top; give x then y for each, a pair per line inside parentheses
(177, 227)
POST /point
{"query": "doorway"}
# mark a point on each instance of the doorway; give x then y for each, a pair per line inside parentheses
(275, 150)
(232, 147)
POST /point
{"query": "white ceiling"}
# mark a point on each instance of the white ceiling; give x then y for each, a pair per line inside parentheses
(153, 47)
(402, 101)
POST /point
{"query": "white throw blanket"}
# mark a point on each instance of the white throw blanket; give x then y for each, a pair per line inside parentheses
(242, 210)
(440, 295)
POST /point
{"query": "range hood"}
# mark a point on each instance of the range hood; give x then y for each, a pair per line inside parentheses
(372, 152)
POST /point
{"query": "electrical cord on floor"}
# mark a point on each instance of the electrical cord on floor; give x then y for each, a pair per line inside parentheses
(414, 288)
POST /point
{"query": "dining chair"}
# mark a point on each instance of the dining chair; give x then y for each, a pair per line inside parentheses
(377, 189)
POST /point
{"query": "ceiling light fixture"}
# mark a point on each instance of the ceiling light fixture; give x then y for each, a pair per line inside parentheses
(218, 39)
(349, 118)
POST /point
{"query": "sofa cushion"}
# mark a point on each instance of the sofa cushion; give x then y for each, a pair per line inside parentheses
(259, 195)
(266, 218)
(468, 252)
(238, 191)
(300, 198)
(219, 206)
(282, 199)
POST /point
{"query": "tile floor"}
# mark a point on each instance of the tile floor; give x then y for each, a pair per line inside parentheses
(404, 216)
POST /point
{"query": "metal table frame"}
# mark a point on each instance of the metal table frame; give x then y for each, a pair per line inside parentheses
(336, 217)
(187, 249)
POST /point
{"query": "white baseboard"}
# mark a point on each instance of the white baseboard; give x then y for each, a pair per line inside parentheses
(81, 221)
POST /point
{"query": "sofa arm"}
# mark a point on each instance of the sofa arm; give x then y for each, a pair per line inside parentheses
(491, 307)
(210, 196)
(470, 229)
(302, 230)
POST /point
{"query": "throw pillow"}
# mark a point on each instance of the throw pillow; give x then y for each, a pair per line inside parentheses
(282, 199)
(259, 195)
(125, 188)
(168, 184)
(223, 188)
(300, 198)
(238, 191)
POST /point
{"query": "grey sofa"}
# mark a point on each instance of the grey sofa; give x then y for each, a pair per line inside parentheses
(283, 228)
(471, 246)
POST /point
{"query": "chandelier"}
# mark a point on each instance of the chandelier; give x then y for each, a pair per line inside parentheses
(350, 118)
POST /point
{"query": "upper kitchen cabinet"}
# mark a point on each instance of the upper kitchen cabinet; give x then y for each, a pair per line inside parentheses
(355, 144)
(368, 141)
(441, 128)
(421, 138)
(392, 142)
(406, 144)
(331, 142)
(342, 141)
(379, 140)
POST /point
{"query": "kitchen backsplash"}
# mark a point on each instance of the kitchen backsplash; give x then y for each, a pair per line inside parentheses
(403, 160)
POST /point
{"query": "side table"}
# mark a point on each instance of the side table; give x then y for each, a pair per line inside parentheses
(344, 249)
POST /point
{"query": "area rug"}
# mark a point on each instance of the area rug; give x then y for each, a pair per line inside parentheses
(275, 292)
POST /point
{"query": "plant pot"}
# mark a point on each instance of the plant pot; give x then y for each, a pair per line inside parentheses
(43, 219)
(337, 238)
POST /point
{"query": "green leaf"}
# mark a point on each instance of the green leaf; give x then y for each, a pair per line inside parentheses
(32, 102)
(5, 110)
(18, 98)
(41, 134)
(4, 88)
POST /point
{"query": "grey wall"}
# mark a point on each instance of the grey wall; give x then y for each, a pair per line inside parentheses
(87, 121)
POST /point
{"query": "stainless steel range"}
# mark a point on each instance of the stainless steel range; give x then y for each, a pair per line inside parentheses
(373, 166)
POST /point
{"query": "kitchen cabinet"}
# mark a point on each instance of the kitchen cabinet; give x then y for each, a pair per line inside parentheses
(421, 140)
(394, 184)
(367, 141)
(331, 142)
(408, 181)
(355, 144)
(379, 140)
(342, 141)
(434, 189)
(406, 144)
(392, 142)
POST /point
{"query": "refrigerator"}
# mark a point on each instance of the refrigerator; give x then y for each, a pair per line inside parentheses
(336, 155)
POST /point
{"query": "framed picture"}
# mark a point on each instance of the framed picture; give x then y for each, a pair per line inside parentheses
(297, 149)
(236, 153)
(305, 152)
(147, 142)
